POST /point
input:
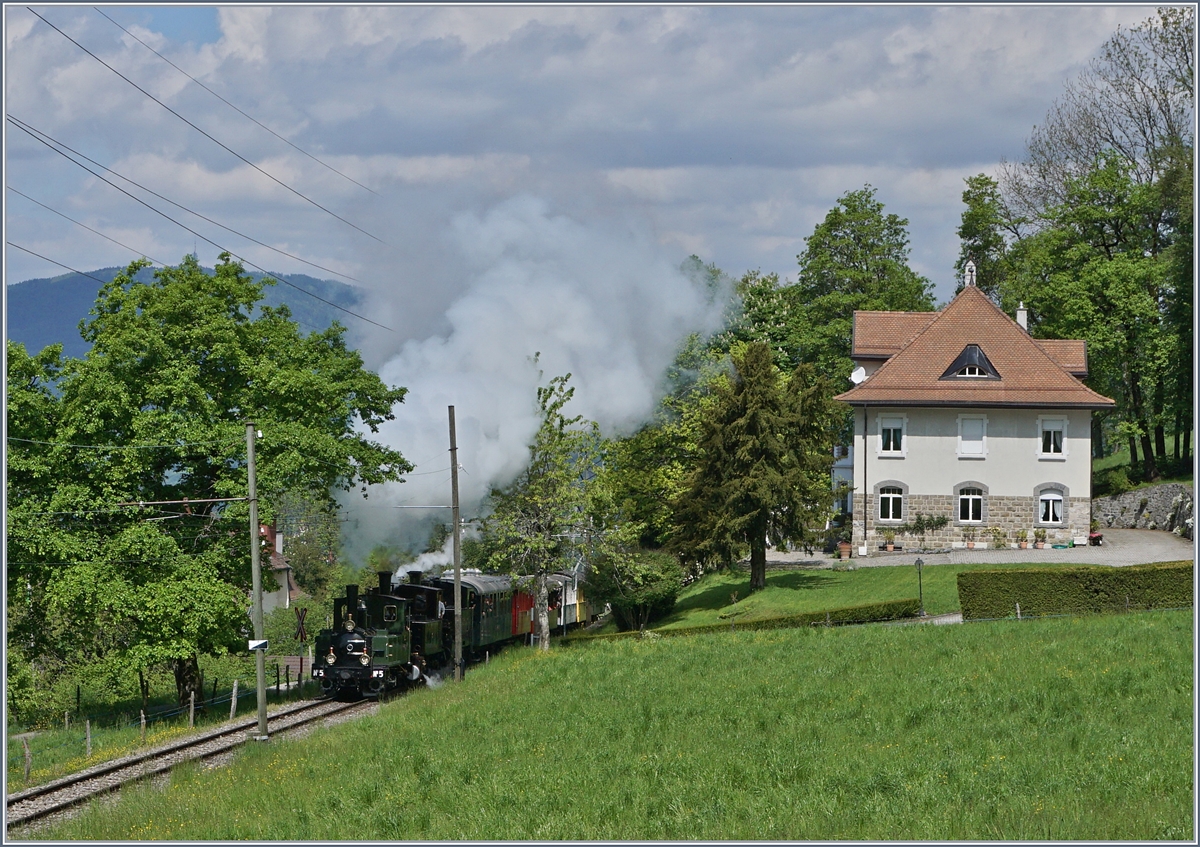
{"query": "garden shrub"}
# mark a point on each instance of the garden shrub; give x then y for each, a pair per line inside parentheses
(1081, 590)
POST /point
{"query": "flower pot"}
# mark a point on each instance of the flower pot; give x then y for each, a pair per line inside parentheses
(891, 547)
(1039, 544)
(1024, 545)
(970, 545)
(844, 549)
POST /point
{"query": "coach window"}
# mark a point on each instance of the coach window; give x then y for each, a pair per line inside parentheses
(389, 614)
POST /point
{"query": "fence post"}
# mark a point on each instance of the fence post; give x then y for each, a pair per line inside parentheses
(287, 676)
(66, 720)
(1126, 602)
(143, 712)
(88, 733)
(233, 701)
(1018, 611)
(827, 621)
(28, 758)
(277, 677)
(192, 709)
(78, 708)
(299, 678)
(214, 694)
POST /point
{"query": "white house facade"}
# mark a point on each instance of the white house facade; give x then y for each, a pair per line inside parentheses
(962, 414)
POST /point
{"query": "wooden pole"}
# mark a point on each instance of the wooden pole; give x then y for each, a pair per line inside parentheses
(66, 720)
(260, 660)
(191, 709)
(143, 713)
(233, 701)
(87, 728)
(214, 694)
(454, 519)
(28, 758)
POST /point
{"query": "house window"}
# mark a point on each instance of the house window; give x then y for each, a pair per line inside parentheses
(1050, 507)
(891, 504)
(1052, 438)
(972, 436)
(891, 436)
(970, 505)
(971, 370)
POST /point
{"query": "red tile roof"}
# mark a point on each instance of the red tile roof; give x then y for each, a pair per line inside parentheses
(1032, 373)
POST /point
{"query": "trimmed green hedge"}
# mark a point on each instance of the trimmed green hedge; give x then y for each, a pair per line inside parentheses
(1074, 591)
(867, 613)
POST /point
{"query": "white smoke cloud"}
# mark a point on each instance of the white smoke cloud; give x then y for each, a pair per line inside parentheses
(600, 303)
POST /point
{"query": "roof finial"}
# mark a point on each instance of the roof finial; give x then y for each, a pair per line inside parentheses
(969, 272)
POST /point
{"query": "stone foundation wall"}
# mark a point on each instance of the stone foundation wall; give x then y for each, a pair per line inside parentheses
(1167, 507)
(1009, 514)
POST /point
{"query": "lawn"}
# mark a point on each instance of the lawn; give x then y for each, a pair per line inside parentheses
(1052, 729)
(709, 599)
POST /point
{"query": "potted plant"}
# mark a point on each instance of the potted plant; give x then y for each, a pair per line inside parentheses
(844, 543)
(1039, 538)
(889, 539)
(998, 542)
(969, 536)
(1023, 539)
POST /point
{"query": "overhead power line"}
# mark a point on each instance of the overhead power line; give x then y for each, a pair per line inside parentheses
(31, 132)
(165, 199)
(51, 261)
(126, 446)
(220, 144)
(85, 226)
(235, 108)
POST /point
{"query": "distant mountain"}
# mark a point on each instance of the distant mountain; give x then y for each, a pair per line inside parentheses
(46, 311)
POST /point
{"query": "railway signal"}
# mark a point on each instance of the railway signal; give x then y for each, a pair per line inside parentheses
(301, 633)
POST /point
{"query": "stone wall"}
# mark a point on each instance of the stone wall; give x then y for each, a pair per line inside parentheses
(1167, 507)
(1009, 514)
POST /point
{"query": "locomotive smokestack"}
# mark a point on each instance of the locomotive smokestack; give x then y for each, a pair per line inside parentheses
(385, 582)
(352, 601)
(414, 577)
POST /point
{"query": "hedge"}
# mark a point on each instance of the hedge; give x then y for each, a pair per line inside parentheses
(867, 613)
(1074, 591)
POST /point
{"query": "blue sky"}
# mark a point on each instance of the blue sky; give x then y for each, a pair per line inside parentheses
(526, 161)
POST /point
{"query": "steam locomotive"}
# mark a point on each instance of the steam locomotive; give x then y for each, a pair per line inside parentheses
(395, 634)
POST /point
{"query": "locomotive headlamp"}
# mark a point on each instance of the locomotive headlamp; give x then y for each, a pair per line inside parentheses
(349, 624)
(365, 658)
(330, 659)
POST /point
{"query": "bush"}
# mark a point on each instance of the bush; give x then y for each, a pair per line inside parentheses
(1112, 482)
(1074, 591)
(641, 586)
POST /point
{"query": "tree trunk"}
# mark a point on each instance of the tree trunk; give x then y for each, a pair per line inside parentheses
(1187, 445)
(1160, 432)
(758, 562)
(144, 689)
(541, 606)
(187, 679)
(1178, 427)
(1149, 466)
(1132, 456)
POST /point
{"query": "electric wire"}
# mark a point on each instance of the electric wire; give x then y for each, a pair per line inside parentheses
(17, 122)
(205, 134)
(85, 226)
(125, 447)
(118, 174)
(51, 261)
(235, 108)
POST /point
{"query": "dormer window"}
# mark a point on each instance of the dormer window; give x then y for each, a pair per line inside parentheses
(972, 363)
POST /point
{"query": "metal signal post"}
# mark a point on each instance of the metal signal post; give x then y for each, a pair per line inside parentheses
(457, 551)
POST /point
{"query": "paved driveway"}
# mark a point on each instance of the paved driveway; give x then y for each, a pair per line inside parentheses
(1121, 547)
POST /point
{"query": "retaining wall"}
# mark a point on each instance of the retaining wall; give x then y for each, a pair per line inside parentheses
(1167, 507)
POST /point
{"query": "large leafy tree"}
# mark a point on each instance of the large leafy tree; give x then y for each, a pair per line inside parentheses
(1102, 202)
(539, 522)
(856, 259)
(156, 411)
(763, 473)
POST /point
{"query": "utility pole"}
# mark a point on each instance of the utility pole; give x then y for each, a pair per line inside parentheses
(457, 551)
(256, 577)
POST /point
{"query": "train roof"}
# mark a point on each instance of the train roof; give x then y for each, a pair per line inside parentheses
(483, 583)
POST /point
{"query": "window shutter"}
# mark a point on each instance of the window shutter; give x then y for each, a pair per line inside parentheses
(972, 436)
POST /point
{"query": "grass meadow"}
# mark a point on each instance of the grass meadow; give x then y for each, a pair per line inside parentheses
(708, 600)
(1066, 728)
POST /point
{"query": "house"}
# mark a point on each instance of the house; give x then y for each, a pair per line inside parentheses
(962, 413)
(288, 591)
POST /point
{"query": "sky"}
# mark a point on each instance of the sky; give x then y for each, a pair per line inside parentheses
(515, 187)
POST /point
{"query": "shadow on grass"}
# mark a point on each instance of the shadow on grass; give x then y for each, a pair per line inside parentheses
(716, 596)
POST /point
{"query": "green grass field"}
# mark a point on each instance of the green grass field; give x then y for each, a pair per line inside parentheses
(708, 600)
(1049, 729)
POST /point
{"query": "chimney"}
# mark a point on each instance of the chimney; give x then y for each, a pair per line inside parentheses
(1023, 316)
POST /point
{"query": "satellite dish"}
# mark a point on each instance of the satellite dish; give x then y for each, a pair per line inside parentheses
(860, 373)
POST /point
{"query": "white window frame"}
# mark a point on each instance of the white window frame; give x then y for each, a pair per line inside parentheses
(892, 420)
(1051, 495)
(958, 449)
(890, 494)
(962, 495)
(1042, 427)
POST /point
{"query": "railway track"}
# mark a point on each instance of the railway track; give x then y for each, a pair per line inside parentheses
(53, 799)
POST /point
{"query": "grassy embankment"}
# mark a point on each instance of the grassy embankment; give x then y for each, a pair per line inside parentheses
(1051, 729)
